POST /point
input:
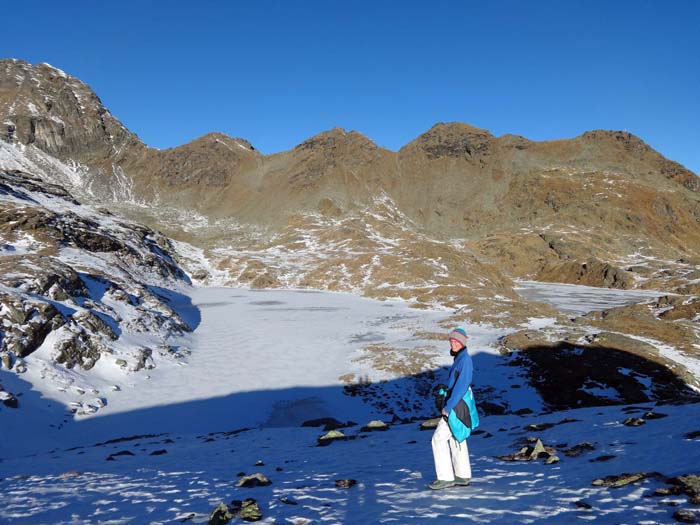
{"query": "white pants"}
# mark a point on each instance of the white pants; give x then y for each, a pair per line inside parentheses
(451, 458)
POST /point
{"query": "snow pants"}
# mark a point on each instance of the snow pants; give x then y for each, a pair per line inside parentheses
(451, 458)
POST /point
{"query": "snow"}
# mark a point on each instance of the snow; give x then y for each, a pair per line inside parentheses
(269, 360)
(391, 469)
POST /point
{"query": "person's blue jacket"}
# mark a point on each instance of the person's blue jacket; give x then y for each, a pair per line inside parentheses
(460, 379)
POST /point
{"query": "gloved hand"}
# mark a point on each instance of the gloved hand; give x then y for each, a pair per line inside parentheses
(440, 393)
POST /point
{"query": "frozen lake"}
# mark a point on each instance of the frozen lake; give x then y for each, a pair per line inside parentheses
(578, 300)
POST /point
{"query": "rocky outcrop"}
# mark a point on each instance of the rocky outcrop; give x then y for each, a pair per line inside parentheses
(592, 272)
(65, 267)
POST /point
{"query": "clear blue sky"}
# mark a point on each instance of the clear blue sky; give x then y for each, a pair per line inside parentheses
(277, 73)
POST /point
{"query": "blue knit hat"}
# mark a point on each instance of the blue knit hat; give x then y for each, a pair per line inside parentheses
(459, 334)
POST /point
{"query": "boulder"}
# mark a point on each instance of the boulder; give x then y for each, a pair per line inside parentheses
(621, 480)
(529, 453)
(254, 480)
(328, 423)
(250, 510)
(345, 483)
(374, 426)
(221, 515)
(79, 349)
(430, 424)
(579, 449)
(687, 516)
(94, 323)
(333, 435)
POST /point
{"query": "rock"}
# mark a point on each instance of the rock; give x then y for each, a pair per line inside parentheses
(539, 427)
(616, 481)
(221, 515)
(591, 272)
(144, 360)
(121, 453)
(539, 450)
(250, 511)
(6, 360)
(200, 275)
(551, 460)
(328, 423)
(95, 324)
(601, 459)
(81, 349)
(121, 362)
(254, 480)
(9, 400)
(634, 422)
(374, 426)
(654, 415)
(690, 485)
(692, 435)
(687, 516)
(288, 501)
(159, 452)
(430, 424)
(333, 435)
(259, 463)
(583, 505)
(70, 475)
(345, 483)
(579, 449)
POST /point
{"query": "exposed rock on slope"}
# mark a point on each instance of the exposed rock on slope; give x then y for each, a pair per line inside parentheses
(74, 280)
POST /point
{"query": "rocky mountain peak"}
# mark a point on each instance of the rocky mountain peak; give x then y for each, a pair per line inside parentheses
(335, 139)
(219, 139)
(59, 114)
(452, 139)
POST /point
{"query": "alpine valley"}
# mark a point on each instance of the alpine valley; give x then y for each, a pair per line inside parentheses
(169, 318)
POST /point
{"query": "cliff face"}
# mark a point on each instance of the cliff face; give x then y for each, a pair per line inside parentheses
(59, 114)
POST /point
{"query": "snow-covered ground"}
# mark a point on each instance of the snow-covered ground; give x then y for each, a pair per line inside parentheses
(169, 478)
(269, 360)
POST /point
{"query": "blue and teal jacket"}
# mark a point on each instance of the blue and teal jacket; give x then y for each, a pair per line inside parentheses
(460, 405)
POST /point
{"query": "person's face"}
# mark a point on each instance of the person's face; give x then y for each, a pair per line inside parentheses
(456, 345)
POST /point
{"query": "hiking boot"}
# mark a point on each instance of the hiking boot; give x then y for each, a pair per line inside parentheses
(462, 482)
(440, 484)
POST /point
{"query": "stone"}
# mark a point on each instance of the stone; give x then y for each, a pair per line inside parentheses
(621, 480)
(602, 458)
(654, 415)
(328, 423)
(633, 422)
(430, 424)
(9, 400)
(250, 510)
(333, 435)
(221, 515)
(254, 480)
(345, 483)
(6, 361)
(687, 516)
(690, 485)
(288, 501)
(374, 426)
(579, 449)
(95, 324)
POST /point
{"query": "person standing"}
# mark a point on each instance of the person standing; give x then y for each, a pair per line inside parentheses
(459, 417)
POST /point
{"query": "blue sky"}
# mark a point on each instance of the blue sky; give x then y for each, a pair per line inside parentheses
(277, 73)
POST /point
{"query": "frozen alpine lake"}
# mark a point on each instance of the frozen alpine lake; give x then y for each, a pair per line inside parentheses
(576, 299)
